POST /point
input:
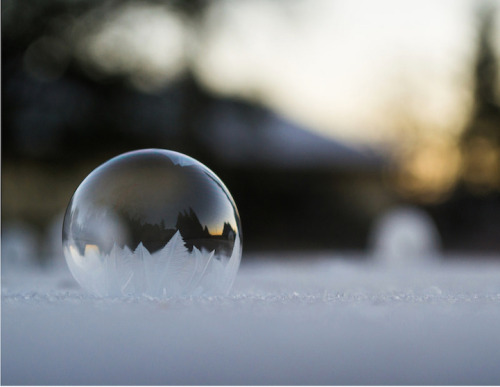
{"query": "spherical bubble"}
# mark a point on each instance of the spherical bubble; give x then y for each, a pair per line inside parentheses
(152, 222)
(405, 236)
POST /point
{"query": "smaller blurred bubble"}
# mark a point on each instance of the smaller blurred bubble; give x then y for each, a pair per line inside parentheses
(46, 59)
(19, 246)
(405, 236)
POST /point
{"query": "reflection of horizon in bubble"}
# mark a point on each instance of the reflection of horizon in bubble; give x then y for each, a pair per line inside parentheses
(112, 229)
(126, 192)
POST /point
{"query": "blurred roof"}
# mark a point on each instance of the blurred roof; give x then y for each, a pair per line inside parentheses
(248, 135)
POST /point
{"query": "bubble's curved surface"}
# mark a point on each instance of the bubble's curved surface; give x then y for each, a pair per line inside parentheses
(152, 222)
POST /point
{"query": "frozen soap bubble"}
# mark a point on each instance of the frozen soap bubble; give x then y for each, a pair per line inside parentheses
(152, 222)
(405, 236)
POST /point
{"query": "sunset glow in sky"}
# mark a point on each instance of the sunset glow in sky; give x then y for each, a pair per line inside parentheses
(347, 68)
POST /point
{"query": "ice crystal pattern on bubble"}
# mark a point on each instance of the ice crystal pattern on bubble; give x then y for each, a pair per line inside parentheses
(171, 271)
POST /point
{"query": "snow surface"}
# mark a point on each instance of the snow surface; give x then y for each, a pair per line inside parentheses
(290, 319)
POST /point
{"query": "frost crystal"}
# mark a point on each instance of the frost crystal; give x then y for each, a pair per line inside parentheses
(171, 271)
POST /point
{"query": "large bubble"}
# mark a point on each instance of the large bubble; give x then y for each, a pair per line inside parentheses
(152, 222)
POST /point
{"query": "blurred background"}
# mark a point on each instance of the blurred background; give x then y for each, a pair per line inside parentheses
(334, 124)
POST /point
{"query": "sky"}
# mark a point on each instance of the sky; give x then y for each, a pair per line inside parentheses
(358, 70)
(347, 67)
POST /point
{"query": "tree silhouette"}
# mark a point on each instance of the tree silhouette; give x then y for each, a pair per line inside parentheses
(481, 138)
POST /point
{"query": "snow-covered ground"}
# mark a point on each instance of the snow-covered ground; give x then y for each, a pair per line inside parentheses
(291, 319)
